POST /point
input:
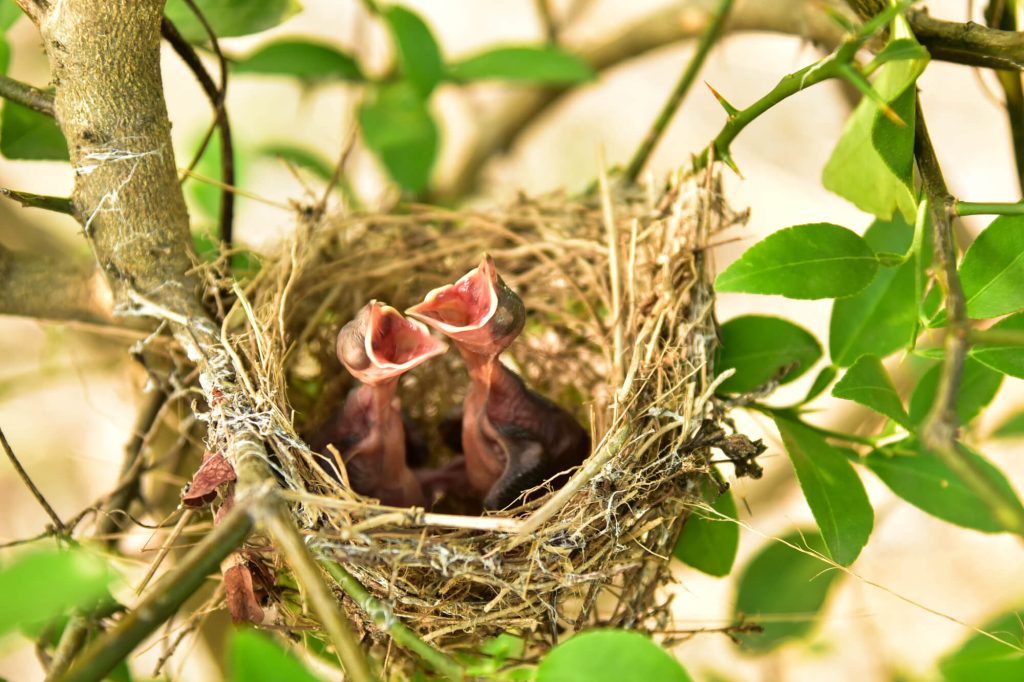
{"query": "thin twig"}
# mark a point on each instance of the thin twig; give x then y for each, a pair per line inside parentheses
(675, 99)
(287, 540)
(939, 431)
(217, 96)
(1003, 15)
(386, 620)
(43, 201)
(166, 597)
(26, 95)
(57, 523)
(547, 20)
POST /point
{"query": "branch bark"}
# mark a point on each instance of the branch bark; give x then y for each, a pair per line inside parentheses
(48, 288)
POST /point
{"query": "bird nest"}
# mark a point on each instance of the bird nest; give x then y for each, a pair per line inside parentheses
(620, 332)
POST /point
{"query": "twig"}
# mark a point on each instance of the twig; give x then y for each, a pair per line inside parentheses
(939, 431)
(711, 34)
(26, 95)
(48, 203)
(1003, 15)
(166, 597)
(164, 550)
(217, 97)
(547, 20)
(57, 523)
(71, 642)
(288, 541)
(386, 620)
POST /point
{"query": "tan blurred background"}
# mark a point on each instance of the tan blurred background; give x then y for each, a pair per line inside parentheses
(68, 396)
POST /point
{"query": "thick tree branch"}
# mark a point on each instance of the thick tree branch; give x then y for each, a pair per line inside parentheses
(59, 289)
(26, 95)
(939, 431)
(968, 43)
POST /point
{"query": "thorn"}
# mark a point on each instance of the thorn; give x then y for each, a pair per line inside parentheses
(726, 158)
(891, 114)
(729, 109)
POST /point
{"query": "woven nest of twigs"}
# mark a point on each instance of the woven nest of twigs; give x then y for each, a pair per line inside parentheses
(620, 332)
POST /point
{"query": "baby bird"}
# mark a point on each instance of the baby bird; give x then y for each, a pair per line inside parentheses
(512, 438)
(377, 347)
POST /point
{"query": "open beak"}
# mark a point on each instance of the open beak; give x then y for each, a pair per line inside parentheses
(479, 312)
(380, 344)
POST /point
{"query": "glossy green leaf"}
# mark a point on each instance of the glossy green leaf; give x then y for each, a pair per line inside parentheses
(869, 384)
(983, 658)
(872, 164)
(418, 53)
(978, 386)
(1012, 427)
(880, 319)
(992, 270)
(783, 590)
(257, 658)
(41, 584)
(301, 59)
(399, 129)
(229, 17)
(609, 656)
(819, 260)
(709, 541)
(26, 134)
(763, 349)
(833, 490)
(824, 379)
(1004, 358)
(527, 64)
(922, 479)
(900, 49)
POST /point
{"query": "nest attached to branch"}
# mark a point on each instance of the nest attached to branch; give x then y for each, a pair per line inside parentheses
(620, 332)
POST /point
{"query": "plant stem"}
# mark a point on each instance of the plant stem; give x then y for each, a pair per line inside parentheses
(938, 433)
(43, 201)
(966, 208)
(165, 598)
(26, 95)
(385, 619)
(711, 34)
(23, 475)
(291, 545)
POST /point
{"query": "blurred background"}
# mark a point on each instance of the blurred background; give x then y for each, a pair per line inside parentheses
(68, 395)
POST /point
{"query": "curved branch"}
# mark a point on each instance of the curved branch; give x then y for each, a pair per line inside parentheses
(660, 29)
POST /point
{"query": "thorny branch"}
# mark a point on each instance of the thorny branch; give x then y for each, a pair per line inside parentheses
(939, 432)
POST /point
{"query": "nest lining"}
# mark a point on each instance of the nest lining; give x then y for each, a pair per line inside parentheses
(622, 336)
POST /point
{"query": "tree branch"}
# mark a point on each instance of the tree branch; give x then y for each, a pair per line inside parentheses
(939, 431)
(59, 289)
(40, 498)
(26, 95)
(968, 43)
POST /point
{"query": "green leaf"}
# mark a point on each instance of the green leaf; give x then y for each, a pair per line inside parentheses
(257, 658)
(527, 64)
(760, 348)
(992, 271)
(9, 13)
(41, 584)
(398, 128)
(833, 490)
(922, 479)
(880, 319)
(819, 260)
(983, 658)
(872, 164)
(229, 17)
(1012, 427)
(821, 382)
(26, 134)
(418, 52)
(900, 49)
(783, 590)
(1006, 359)
(709, 541)
(302, 59)
(978, 386)
(869, 384)
(609, 656)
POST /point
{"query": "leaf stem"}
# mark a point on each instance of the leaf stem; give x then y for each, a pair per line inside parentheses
(384, 618)
(711, 34)
(966, 208)
(939, 431)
